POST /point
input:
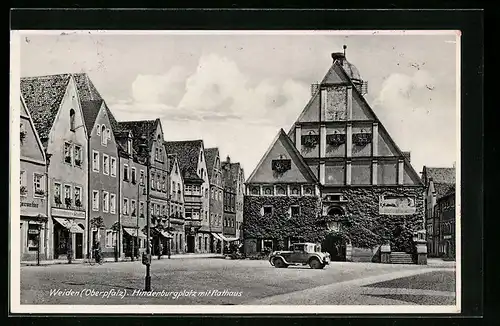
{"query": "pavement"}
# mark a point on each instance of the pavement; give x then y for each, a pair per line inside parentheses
(123, 260)
(234, 282)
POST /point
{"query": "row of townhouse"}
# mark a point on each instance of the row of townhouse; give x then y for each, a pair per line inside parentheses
(94, 179)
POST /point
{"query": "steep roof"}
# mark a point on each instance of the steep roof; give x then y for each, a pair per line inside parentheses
(210, 156)
(440, 175)
(171, 161)
(90, 111)
(443, 189)
(86, 89)
(138, 128)
(187, 152)
(43, 96)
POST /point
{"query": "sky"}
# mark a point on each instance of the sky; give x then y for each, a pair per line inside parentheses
(236, 91)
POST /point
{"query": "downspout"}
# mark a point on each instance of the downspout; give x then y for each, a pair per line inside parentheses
(89, 194)
(47, 184)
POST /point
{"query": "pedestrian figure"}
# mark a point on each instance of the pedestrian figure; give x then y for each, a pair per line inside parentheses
(160, 250)
(97, 252)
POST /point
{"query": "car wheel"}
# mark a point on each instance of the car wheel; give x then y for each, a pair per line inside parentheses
(279, 263)
(316, 264)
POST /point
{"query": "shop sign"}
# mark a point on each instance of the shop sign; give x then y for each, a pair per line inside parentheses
(447, 237)
(61, 212)
(33, 231)
(26, 204)
(397, 205)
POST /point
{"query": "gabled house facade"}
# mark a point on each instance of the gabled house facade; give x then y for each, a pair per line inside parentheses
(54, 104)
(176, 219)
(158, 179)
(214, 171)
(239, 177)
(192, 162)
(33, 191)
(445, 214)
(368, 193)
(229, 226)
(132, 239)
(103, 185)
(438, 182)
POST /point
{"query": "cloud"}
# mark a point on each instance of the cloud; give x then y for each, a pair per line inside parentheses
(418, 114)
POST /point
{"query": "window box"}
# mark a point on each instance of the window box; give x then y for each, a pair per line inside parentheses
(39, 192)
(67, 159)
(78, 203)
(58, 200)
(23, 190)
(362, 138)
(310, 141)
(78, 162)
(336, 139)
(67, 201)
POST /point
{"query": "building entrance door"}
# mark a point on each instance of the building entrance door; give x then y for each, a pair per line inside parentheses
(79, 245)
(335, 246)
(190, 243)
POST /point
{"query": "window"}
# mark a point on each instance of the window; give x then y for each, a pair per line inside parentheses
(267, 210)
(125, 206)
(201, 156)
(98, 130)
(72, 120)
(199, 243)
(125, 172)
(78, 155)
(295, 211)
(22, 183)
(156, 153)
(32, 237)
(105, 164)
(112, 206)
(133, 176)
(158, 187)
(67, 153)
(57, 193)
(160, 155)
(164, 184)
(113, 166)
(109, 238)
(133, 207)
(268, 191)
(38, 184)
(104, 136)
(95, 200)
(22, 130)
(78, 197)
(206, 193)
(142, 177)
(280, 191)
(295, 191)
(141, 209)
(206, 244)
(95, 161)
(129, 146)
(152, 181)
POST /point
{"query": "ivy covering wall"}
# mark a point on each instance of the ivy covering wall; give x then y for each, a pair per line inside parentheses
(362, 225)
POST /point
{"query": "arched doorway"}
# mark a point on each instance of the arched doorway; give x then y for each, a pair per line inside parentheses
(334, 244)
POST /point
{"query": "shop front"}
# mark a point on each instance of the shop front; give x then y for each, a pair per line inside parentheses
(134, 242)
(69, 233)
(33, 235)
(160, 241)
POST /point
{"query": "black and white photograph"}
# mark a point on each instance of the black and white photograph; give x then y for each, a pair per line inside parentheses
(235, 171)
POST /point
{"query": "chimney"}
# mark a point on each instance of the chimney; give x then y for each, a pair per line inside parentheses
(407, 155)
(228, 159)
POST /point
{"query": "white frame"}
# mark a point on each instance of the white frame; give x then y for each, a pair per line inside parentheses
(291, 210)
(133, 204)
(98, 130)
(104, 137)
(104, 157)
(133, 174)
(268, 206)
(94, 164)
(109, 238)
(112, 203)
(74, 194)
(95, 207)
(60, 192)
(112, 168)
(105, 203)
(126, 206)
(141, 208)
(75, 146)
(126, 175)
(70, 152)
(23, 181)
(70, 193)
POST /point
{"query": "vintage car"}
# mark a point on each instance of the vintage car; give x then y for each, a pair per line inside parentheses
(300, 254)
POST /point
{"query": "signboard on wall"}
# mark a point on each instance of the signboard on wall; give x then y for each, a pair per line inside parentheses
(397, 205)
(61, 212)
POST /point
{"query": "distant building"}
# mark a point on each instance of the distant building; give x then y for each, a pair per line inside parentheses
(216, 197)
(55, 107)
(176, 205)
(337, 177)
(33, 192)
(229, 226)
(438, 182)
(445, 213)
(192, 162)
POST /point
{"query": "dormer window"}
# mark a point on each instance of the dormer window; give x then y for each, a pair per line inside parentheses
(129, 146)
(201, 156)
(104, 136)
(72, 120)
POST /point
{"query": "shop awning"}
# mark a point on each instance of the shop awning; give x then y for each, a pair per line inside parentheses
(166, 234)
(217, 236)
(228, 239)
(134, 233)
(69, 224)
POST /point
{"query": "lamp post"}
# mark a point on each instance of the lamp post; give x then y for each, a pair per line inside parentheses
(147, 260)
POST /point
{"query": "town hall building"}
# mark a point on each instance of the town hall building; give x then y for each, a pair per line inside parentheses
(337, 177)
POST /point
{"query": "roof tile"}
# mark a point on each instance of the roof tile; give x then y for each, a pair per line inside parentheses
(187, 152)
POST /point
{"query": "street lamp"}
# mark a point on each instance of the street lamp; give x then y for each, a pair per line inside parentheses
(146, 260)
